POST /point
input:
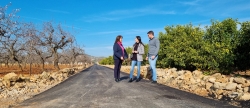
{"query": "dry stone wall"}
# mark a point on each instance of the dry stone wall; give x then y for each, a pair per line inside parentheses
(16, 88)
(217, 86)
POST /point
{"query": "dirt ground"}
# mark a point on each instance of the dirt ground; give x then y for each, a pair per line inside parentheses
(34, 70)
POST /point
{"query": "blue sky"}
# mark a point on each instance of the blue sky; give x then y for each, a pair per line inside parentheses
(96, 23)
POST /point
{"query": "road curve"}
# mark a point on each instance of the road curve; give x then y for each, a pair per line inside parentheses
(95, 87)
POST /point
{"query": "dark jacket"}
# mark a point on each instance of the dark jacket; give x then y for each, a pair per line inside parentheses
(118, 52)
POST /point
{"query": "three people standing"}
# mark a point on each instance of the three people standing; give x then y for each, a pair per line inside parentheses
(120, 54)
(137, 58)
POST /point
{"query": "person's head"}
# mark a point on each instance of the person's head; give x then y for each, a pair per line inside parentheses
(118, 38)
(150, 34)
(138, 40)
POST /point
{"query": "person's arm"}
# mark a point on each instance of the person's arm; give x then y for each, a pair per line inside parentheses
(141, 50)
(116, 53)
(157, 44)
(125, 54)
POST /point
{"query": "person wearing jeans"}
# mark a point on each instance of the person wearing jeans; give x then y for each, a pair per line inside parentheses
(154, 46)
(137, 53)
(120, 54)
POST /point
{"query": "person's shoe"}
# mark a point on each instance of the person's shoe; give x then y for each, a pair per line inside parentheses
(130, 80)
(138, 79)
(154, 82)
(116, 80)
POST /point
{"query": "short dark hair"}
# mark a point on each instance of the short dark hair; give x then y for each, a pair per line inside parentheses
(151, 32)
(117, 39)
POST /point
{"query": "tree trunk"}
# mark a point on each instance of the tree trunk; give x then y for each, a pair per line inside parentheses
(56, 61)
(30, 68)
(71, 64)
(20, 66)
(42, 60)
(7, 63)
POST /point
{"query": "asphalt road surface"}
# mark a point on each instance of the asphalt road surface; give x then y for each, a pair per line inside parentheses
(95, 87)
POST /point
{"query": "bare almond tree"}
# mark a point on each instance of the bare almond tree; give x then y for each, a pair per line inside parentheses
(55, 38)
(10, 35)
(72, 53)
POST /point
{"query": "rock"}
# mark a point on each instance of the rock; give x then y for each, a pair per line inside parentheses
(208, 85)
(71, 71)
(160, 73)
(179, 81)
(239, 90)
(19, 85)
(231, 86)
(1, 84)
(223, 79)
(180, 72)
(188, 75)
(44, 75)
(239, 80)
(239, 86)
(36, 90)
(197, 74)
(203, 83)
(173, 75)
(54, 75)
(233, 95)
(61, 78)
(192, 80)
(205, 78)
(32, 85)
(211, 79)
(218, 85)
(246, 84)
(185, 87)
(231, 79)
(198, 80)
(219, 96)
(246, 89)
(10, 77)
(65, 75)
(245, 96)
(180, 77)
(201, 91)
(34, 78)
(219, 91)
(173, 70)
(217, 75)
(193, 87)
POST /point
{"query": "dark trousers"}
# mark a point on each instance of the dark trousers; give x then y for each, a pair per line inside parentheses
(117, 70)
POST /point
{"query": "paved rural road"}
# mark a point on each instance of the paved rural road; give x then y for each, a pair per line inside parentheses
(95, 87)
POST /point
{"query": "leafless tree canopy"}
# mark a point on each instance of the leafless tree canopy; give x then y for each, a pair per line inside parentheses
(23, 43)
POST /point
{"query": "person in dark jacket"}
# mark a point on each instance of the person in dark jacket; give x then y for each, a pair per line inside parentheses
(136, 57)
(120, 54)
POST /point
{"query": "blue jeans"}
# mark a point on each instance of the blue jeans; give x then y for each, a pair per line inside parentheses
(152, 64)
(132, 68)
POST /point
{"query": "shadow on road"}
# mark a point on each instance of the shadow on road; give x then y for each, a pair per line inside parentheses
(124, 78)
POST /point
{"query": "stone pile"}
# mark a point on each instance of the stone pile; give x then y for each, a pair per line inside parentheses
(217, 86)
(14, 86)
